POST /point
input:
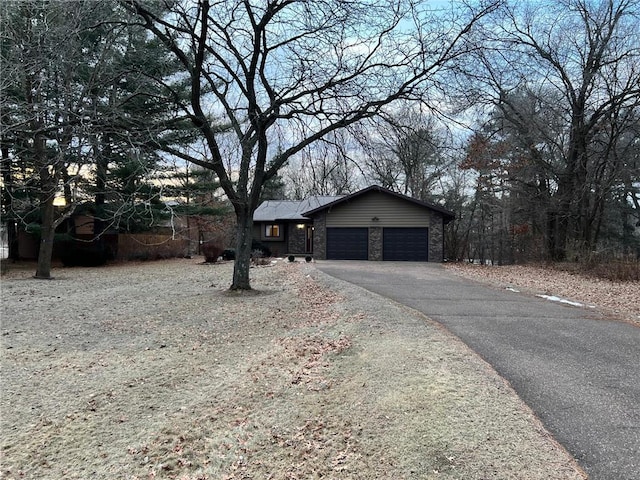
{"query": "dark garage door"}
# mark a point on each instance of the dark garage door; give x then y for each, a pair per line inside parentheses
(347, 243)
(405, 244)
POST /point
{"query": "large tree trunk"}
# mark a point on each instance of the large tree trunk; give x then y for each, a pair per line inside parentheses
(559, 220)
(12, 240)
(573, 196)
(48, 184)
(47, 211)
(47, 236)
(242, 262)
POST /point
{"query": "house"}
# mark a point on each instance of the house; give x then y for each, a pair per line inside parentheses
(372, 224)
(282, 226)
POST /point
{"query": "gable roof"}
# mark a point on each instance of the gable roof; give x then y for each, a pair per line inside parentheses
(274, 210)
(448, 215)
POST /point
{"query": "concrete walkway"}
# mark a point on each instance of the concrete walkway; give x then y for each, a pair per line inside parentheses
(579, 372)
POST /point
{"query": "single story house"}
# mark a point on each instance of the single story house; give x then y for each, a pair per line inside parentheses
(372, 224)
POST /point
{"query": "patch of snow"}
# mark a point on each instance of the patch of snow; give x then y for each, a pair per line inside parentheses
(511, 289)
(553, 298)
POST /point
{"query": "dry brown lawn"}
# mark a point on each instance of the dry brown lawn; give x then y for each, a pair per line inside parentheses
(617, 299)
(154, 370)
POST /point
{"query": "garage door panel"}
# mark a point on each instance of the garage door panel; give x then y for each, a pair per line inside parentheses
(405, 244)
(347, 243)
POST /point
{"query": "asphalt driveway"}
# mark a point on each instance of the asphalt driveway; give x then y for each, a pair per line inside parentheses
(578, 371)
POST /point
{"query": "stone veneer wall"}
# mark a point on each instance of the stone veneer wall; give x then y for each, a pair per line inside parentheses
(320, 236)
(436, 238)
(297, 237)
(375, 243)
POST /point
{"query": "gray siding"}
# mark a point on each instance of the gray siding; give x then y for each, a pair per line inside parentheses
(277, 247)
(257, 228)
(390, 212)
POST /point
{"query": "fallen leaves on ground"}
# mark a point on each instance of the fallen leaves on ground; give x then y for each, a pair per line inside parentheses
(619, 299)
(145, 371)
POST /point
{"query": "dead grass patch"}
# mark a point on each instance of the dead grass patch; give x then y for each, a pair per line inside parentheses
(146, 372)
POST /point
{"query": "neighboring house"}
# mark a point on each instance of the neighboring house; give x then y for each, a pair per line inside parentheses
(371, 224)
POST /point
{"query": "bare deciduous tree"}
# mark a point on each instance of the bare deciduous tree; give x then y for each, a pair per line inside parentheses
(405, 153)
(328, 167)
(284, 74)
(565, 79)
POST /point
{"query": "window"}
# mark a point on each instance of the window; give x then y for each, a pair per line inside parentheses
(272, 230)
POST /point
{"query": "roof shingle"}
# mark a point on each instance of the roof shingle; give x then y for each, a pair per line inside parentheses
(274, 210)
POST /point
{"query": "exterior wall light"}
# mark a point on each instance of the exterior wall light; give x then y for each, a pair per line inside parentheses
(375, 219)
(300, 226)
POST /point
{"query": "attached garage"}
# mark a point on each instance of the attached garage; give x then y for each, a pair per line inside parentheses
(405, 244)
(347, 243)
(378, 224)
